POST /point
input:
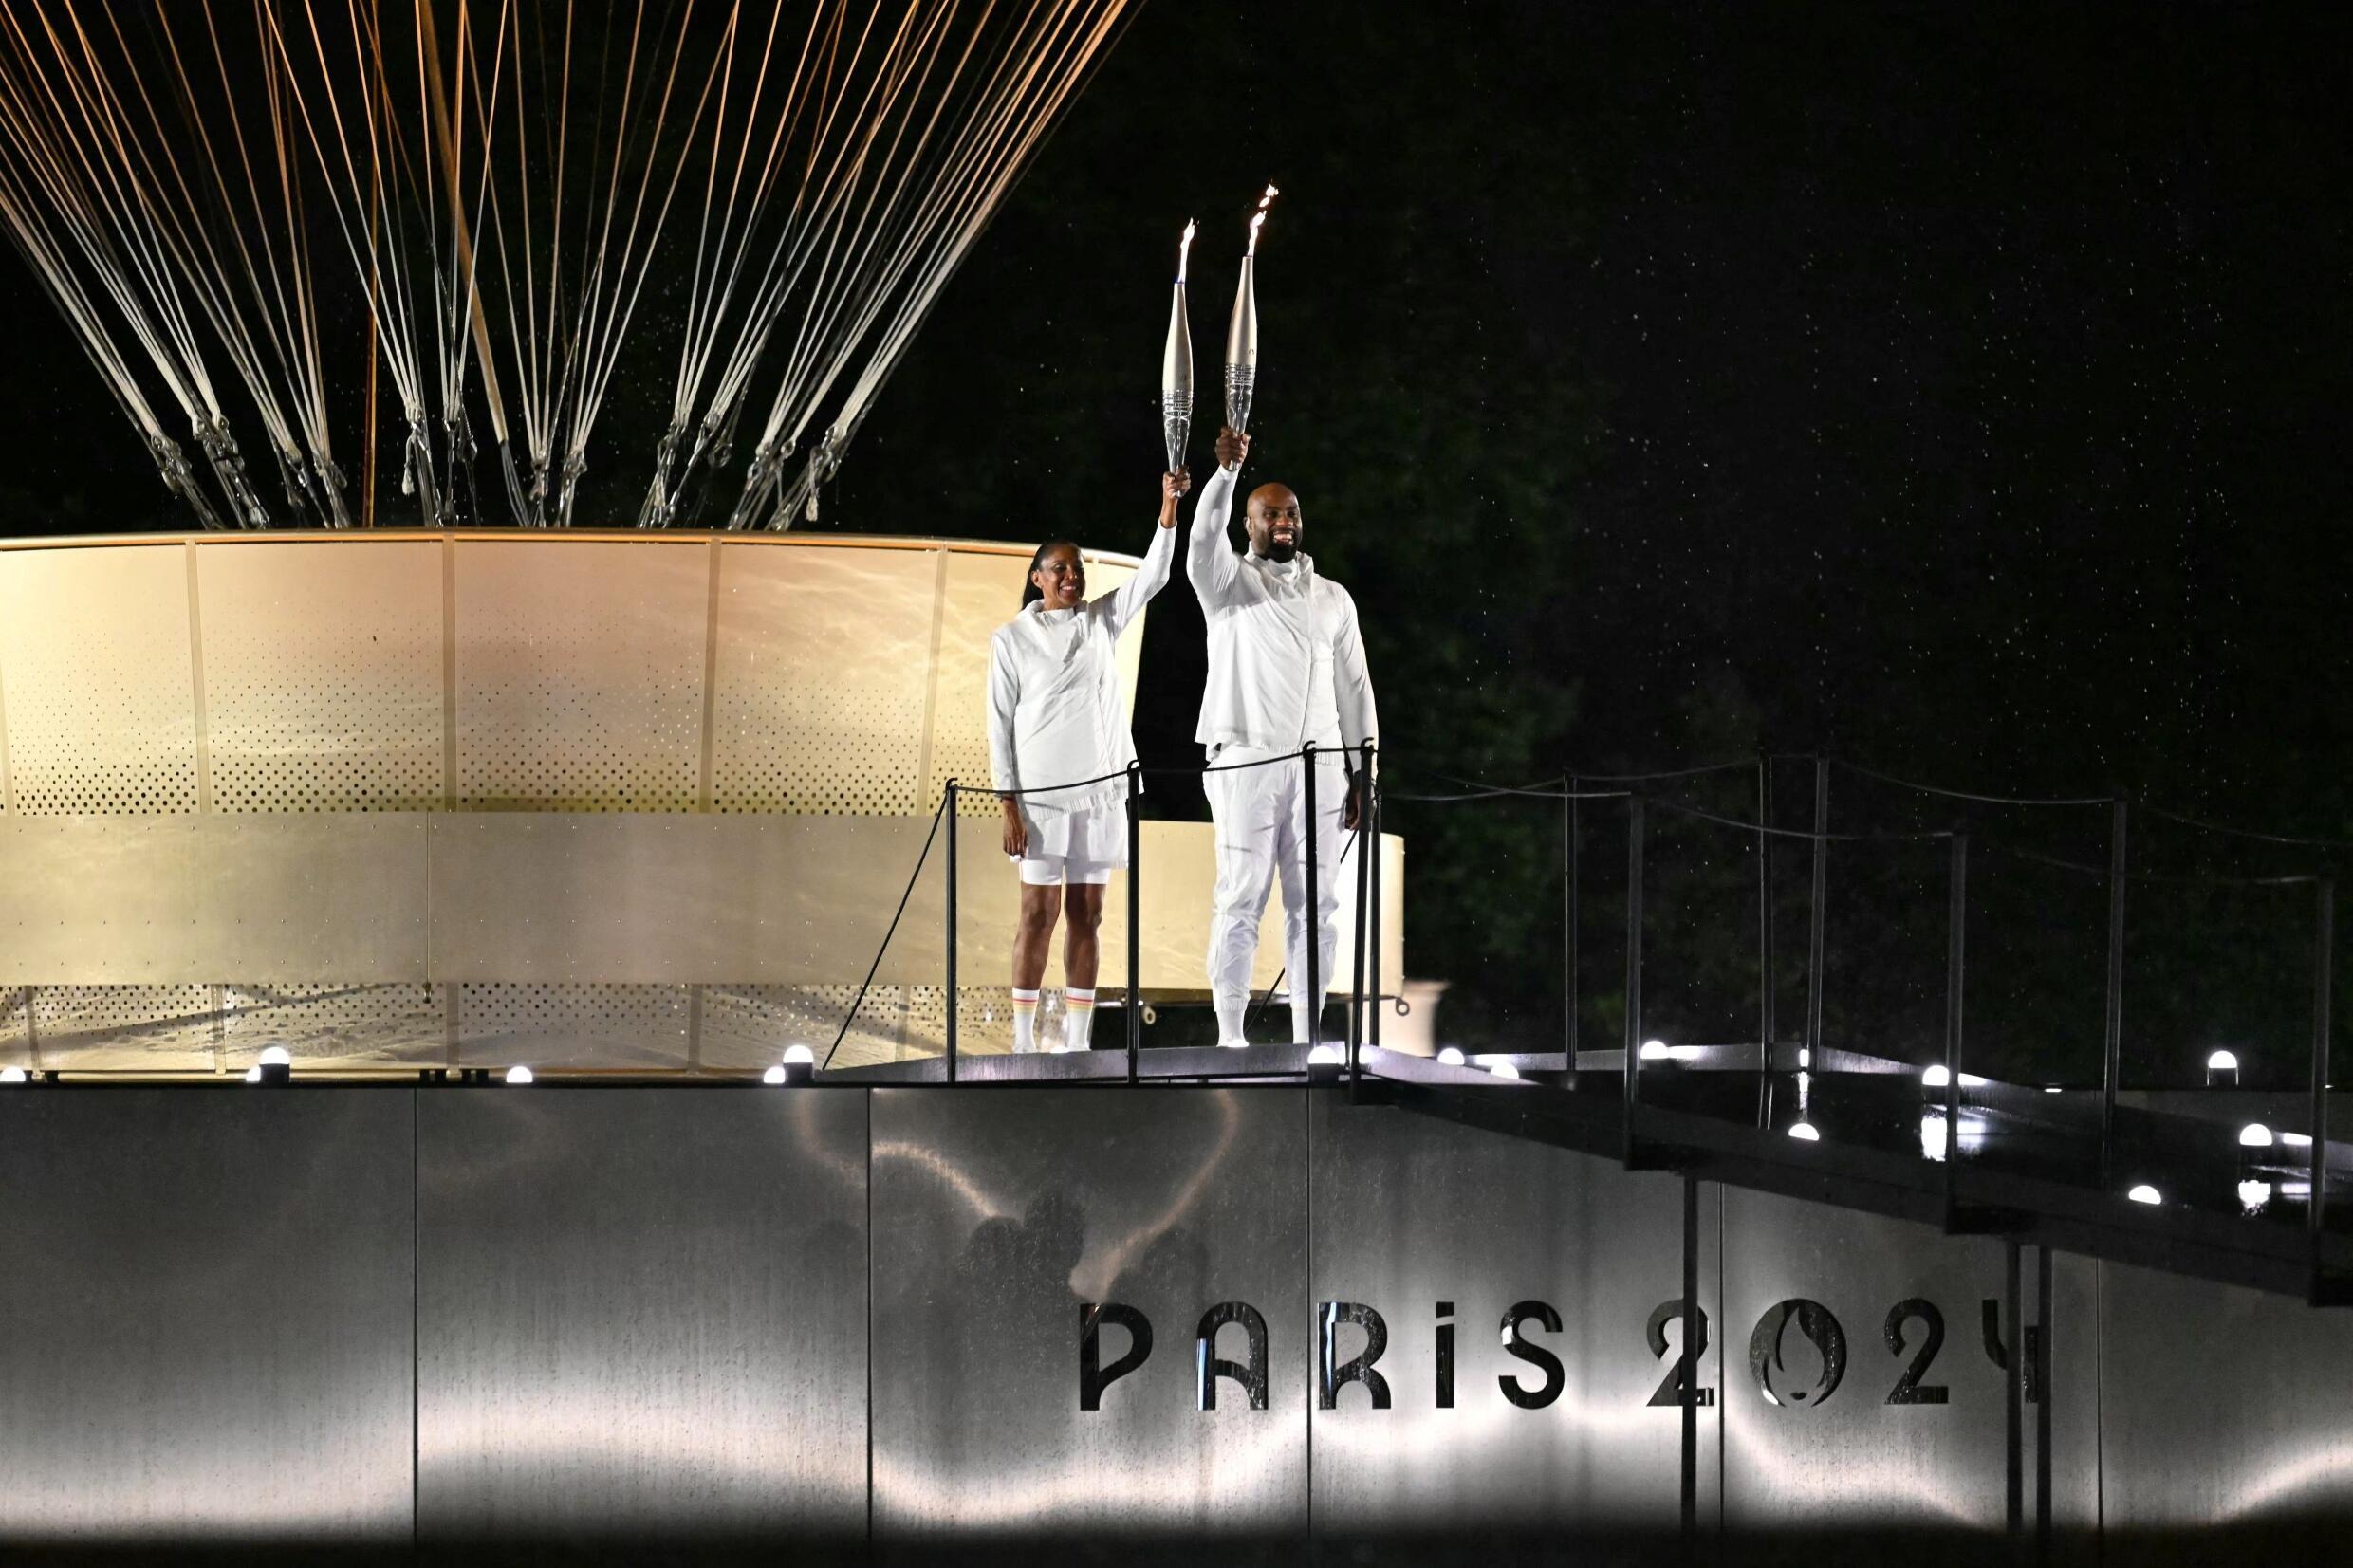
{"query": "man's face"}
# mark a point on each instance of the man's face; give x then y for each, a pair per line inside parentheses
(1276, 530)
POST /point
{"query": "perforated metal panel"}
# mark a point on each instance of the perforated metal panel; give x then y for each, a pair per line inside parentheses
(152, 1028)
(335, 1026)
(824, 659)
(580, 674)
(100, 702)
(322, 676)
(578, 1026)
(750, 1027)
(983, 593)
(15, 1027)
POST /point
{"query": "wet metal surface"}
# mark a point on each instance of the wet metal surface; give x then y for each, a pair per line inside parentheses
(642, 1316)
(1411, 1213)
(2221, 1406)
(1000, 1214)
(1860, 1391)
(208, 1306)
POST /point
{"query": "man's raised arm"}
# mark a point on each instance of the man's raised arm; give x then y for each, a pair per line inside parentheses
(1210, 563)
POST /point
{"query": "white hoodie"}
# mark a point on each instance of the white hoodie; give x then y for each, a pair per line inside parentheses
(1286, 662)
(1054, 710)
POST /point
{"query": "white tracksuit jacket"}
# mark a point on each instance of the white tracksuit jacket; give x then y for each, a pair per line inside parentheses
(1054, 710)
(1285, 667)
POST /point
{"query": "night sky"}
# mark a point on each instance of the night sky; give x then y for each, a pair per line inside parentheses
(1957, 388)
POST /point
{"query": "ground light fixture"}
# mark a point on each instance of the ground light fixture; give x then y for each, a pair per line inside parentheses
(1804, 1132)
(1504, 1070)
(2255, 1136)
(1655, 1050)
(1451, 1057)
(2254, 1195)
(774, 1074)
(11, 1075)
(2222, 1070)
(2145, 1194)
(518, 1073)
(1939, 1077)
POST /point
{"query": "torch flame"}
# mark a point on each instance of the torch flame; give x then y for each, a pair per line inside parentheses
(1184, 245)
(1259, 217)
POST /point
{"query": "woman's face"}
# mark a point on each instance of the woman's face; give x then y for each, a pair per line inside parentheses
(1061, 577)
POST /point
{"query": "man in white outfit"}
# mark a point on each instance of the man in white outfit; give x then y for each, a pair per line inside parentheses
(1285, 667)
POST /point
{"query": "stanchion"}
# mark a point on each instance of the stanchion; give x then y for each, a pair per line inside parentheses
(1315, 904)
(1373, 805)
(1360, 796)
(1569, 818)
(2324, 968)
(1956, 928)
(1765, 1024)
(1812, 1058)
(953, 836)
(2112, 1025)
(1134, 917)
(1634, 968)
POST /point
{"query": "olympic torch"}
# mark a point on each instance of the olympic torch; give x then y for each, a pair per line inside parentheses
(1242, 328)
(1177, 367)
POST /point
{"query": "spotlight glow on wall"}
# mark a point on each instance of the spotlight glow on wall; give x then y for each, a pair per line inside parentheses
(518, 1075)
(1451, 1057)
(774, 1074)
(1804, 1132)
(2254, 1195)
(1505, 1070)
(11, 1075)
(795, 1054)
(2145, 1194)
(2255, 1135)
(1324, 1056)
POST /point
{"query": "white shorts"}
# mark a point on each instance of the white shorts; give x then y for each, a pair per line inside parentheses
(1083, 847)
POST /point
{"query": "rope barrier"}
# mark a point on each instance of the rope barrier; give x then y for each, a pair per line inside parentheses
(860, 1000)
(2161, 879)
(1965, 795)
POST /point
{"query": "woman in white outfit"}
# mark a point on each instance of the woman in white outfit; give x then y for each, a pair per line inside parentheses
(1055, 720)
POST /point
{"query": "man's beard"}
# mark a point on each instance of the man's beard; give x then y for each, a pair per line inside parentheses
(1281, 551)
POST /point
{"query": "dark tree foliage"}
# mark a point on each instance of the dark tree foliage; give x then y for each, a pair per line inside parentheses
(1953, 388)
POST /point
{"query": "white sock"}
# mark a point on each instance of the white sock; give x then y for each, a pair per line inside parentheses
(1230, 1019)
(1025, 1020)
(1078, 1020)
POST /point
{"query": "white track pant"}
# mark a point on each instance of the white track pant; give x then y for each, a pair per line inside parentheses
(1260, 838)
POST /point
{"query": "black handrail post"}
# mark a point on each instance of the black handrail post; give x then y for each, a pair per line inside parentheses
(1956, 975)
(1315, 904)
(952, 931)
(1569, 816)
(1134, 917)
(2112, 1037)
(1372, 804)
(1764, 1021)
(1634, 967)
(1814, 914)
(2323, 967)
(1361, 796)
